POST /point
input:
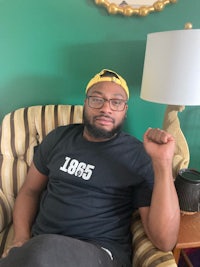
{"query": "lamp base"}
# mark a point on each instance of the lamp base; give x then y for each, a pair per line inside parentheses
(171, 124)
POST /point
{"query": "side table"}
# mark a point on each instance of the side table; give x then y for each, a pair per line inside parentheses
(189, 235)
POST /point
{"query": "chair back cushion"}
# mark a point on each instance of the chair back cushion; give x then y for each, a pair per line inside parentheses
(20, 132)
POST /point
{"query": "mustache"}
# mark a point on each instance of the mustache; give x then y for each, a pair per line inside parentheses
(104, 116)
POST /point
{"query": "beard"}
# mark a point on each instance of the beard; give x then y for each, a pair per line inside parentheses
(98, 132)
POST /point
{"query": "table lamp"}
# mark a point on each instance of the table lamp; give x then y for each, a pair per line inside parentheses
(171, 76)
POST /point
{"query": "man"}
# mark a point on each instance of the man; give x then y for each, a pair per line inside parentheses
(87, 180)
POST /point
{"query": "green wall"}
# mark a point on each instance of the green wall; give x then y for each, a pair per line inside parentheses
(49, 49)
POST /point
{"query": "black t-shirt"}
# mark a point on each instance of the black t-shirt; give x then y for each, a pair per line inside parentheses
(93, 187)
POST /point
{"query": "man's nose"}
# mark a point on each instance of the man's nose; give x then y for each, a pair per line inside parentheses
(106, 106)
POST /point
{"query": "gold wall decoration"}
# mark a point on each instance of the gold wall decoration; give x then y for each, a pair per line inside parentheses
(134, 7)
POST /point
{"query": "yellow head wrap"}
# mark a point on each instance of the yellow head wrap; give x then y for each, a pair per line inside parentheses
(101, 77)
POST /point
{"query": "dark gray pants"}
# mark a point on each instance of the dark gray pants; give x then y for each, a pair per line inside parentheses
(58, 251)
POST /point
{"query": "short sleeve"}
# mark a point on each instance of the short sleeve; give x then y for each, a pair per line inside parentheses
(42, 152)
(142, 195)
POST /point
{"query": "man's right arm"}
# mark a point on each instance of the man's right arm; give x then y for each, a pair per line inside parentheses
(26, 206)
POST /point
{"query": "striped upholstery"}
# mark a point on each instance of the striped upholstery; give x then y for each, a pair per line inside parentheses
(23, 129)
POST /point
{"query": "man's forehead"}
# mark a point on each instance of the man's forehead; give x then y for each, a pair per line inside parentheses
(109, 88)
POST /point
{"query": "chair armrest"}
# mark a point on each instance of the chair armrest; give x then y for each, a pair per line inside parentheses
(145, 254)
(5, 211)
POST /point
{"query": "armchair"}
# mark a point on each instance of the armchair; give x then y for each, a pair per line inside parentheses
(23, 129)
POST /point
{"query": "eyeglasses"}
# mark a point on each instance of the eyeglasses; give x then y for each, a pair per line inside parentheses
(98, 102)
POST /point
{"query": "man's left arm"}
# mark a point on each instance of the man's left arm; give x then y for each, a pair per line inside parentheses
(161, 220)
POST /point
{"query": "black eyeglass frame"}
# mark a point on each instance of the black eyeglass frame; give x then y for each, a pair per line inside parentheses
(106, 100)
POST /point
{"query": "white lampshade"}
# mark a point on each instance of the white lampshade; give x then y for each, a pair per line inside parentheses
(171, 72)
